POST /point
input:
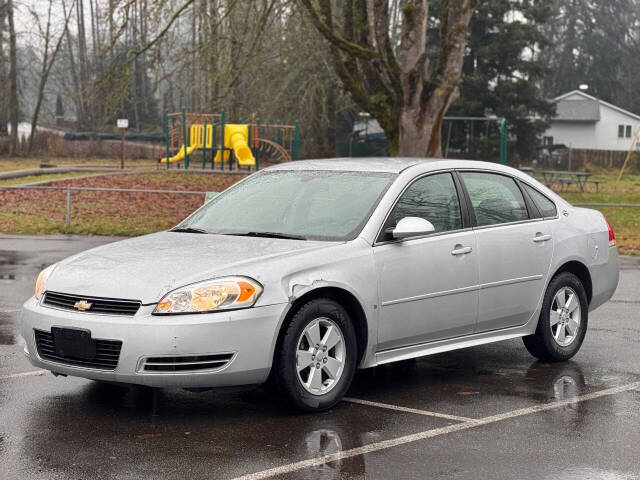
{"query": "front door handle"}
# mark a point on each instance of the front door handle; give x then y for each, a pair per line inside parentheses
(460, 250)
(541, 238)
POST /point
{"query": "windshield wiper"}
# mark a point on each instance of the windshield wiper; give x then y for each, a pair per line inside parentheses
(188, 230)
(285, 236)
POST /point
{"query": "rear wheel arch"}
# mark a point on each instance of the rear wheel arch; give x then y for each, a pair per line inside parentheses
(347, 300)
(581, 271)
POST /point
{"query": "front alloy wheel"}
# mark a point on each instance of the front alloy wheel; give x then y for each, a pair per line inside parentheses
(320, 357)
(316, 358)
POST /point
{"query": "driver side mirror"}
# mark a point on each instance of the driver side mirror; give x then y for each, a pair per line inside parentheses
(412, 227)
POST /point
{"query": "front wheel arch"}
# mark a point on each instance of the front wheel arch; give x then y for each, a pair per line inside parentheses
(347, 300)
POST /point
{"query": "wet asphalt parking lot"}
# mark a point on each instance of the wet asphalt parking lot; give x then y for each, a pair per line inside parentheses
(486, 412)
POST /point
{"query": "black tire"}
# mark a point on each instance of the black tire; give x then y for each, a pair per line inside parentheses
(542, 343)
(284, 374)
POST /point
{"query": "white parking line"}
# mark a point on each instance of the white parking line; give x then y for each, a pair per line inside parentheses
(394, 442)
(23, 374)
(398, 408)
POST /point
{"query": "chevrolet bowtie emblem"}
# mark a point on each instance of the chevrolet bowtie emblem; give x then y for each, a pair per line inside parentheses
(82, 305)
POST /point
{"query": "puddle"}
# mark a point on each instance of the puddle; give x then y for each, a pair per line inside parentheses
(8, 334)
(11, 257)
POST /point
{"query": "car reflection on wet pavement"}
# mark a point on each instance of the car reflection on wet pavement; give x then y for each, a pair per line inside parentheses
(446, 416)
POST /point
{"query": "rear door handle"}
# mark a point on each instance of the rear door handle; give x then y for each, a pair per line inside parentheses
(541, 238)
(460, 250)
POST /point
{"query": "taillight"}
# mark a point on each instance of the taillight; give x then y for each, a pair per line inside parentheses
(612, 236)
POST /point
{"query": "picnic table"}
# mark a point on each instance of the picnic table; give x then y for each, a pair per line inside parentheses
(528, 170)
(565, 178)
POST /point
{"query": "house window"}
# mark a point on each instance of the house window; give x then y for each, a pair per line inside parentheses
(547, 140)
(624, 131)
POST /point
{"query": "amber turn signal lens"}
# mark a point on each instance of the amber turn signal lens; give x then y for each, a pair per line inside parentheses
(246, 291)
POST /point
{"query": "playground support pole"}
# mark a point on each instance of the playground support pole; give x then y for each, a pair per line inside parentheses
(296, 140)
(250, 143)
(222, 148)
(257, 151)
(184, 137)
(166, 135)
(204, 144)
(214, 146)
(503, 141)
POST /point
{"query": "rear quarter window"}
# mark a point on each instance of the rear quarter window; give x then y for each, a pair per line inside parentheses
(546, 207)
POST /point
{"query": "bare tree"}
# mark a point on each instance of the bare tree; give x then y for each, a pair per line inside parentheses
(408, 96)
(48, 58)
(13, 80)
(4, 114)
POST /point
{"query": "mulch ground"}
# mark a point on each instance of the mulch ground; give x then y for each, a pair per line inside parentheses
(109, 213)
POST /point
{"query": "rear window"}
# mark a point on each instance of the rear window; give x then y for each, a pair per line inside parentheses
(546, 207)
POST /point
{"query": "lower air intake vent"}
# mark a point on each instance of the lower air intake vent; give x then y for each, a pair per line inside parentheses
(187, 363)
(106, 358)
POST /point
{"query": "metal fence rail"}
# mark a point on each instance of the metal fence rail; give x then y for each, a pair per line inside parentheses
(99, 189)
(606, 204)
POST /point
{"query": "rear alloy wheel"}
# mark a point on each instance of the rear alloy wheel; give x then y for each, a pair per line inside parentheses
(563, 320)
(565, 316)
(316, 360)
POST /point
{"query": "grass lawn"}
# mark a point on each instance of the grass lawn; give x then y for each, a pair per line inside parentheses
(22, 163)
(624, 220)
(107, 213)
(7, 182)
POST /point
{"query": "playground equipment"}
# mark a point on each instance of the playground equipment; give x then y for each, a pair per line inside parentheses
(231, 144)
(480, 138)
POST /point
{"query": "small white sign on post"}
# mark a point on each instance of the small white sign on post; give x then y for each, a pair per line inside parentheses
(122, 123)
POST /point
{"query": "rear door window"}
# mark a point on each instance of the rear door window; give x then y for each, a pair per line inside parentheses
(495, 198)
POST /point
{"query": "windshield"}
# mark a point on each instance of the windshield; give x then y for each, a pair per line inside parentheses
(317, 205)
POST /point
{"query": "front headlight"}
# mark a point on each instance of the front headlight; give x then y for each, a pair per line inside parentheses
(226, 293)
(42, 280)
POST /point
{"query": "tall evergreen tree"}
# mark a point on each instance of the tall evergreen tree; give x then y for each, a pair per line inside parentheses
(595, 43)
(502, 68)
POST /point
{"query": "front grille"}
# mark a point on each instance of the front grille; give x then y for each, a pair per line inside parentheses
(107, 352)
(187, 363)
(108, 306)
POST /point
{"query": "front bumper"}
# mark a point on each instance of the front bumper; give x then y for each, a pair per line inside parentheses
(250, 334)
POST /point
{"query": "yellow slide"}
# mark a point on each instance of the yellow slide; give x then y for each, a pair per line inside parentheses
(236, 137)
(178, 157)
(196, 137)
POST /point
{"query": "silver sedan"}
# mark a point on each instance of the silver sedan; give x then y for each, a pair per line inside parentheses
(303, 272)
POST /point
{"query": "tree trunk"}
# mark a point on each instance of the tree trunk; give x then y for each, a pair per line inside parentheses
(407, 96)
(83, 65)
(4, 113)
(77, 94)
(13, 81)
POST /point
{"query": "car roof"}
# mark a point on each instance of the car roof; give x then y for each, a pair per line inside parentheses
(384, 164)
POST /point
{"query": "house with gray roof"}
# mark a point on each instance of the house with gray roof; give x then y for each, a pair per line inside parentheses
(586, 122)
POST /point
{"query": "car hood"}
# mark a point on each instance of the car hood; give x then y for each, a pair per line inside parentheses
(145, 268)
